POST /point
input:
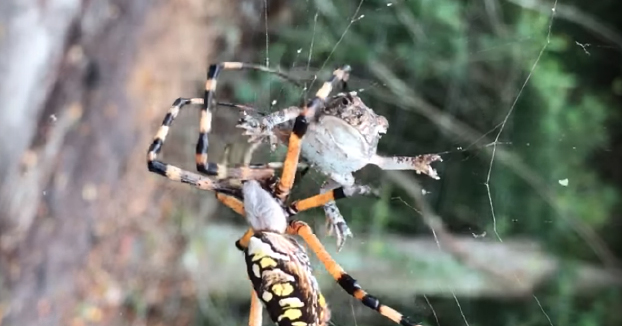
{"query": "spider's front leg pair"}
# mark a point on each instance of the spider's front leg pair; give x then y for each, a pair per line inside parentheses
(215, 172)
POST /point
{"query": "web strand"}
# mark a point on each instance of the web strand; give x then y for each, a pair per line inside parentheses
(496, 141)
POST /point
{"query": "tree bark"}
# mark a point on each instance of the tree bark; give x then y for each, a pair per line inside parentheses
(84, 85)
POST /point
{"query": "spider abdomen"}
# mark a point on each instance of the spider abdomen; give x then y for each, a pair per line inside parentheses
(282, 278)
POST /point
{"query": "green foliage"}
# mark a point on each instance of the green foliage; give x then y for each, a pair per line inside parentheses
(472, 65)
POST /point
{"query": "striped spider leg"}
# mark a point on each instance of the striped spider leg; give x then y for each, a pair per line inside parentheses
(203, 166)
(279, 268)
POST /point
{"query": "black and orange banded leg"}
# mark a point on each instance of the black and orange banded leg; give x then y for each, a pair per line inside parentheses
(154, 165)
(329, 196)
(243, 242)
(177, 174)
(347, 282)
(205, 122)
(300, 128)
(232, 202)
(238, 206)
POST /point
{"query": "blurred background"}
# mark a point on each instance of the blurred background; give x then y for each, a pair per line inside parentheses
(521, 98)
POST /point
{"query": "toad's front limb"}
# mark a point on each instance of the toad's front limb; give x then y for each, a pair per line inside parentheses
(334, 220)
(420, 163)
(260, 128)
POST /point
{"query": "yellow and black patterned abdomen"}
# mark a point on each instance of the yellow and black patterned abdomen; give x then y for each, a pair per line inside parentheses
(281, 274)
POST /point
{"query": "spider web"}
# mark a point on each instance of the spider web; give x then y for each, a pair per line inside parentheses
(480, 143)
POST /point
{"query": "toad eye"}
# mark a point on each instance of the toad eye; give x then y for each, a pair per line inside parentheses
(345, 101)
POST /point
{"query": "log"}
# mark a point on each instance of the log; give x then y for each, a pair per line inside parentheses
(401, 268)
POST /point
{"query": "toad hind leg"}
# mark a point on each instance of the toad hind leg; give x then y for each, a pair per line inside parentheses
(335, 222)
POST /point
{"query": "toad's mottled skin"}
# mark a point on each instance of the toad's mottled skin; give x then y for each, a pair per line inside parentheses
(343, 140)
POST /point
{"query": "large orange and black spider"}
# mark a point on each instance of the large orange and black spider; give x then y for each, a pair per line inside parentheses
(277, 265)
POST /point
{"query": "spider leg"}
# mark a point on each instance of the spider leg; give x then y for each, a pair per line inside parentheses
(205, 123)
(248, 156)
(254, 316)
(329, 196)
(243, 242)
(231, 201)
(234, 202)
(300, 128)
(226, 155)
(344, 280)
(176, 174)
(420, 163)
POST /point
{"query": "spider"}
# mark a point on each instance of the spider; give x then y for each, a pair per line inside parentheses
(277, 265)
(344, 140)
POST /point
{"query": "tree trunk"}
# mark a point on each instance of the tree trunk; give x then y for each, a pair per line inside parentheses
(84, 85)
